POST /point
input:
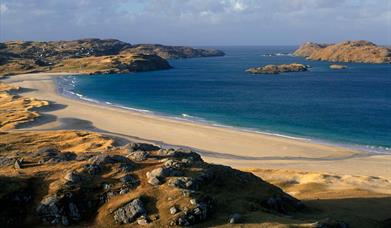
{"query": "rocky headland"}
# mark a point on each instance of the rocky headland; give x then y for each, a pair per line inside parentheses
(276, 69)
(90, 56)
(348, 51)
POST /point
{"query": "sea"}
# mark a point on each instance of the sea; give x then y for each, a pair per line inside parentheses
(350, 107)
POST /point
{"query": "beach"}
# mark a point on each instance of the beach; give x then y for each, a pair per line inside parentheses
(239, 149)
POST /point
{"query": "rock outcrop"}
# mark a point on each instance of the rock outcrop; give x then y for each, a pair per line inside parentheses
(91, 56)
(106, 188)
(276, 69)
(349, 51)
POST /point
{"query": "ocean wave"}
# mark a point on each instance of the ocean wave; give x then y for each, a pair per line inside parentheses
(277, 54)
(132, 109)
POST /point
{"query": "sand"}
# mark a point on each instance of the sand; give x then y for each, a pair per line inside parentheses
(216, 144)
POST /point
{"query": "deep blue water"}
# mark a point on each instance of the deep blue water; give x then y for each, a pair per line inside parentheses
(351, 106)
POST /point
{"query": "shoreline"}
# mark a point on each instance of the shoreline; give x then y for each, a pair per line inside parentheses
(237, 148)
(60, 90)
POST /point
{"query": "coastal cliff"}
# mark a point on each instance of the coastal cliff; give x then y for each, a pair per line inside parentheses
(349, 51)
(90, 56)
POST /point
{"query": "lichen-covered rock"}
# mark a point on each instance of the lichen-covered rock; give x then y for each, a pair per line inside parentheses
(180, 153)
(156, 176)
(199, 213)
(183, 183)
(132, 147)
(104, 159)
(173, 210)
(130, 212)
(58, 210)
(138, 156)
(129, 180)
(72, 176)
(49, 210)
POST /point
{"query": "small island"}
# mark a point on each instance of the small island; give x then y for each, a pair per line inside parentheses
(276, 69)
(359, 51)
(338, 66)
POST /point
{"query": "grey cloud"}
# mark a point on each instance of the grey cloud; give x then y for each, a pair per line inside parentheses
(198, 22)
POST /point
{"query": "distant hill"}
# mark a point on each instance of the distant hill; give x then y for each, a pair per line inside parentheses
(91, 56)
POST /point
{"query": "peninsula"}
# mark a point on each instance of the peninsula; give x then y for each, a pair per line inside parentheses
(91, 56)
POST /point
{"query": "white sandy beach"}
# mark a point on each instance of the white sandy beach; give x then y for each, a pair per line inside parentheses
(221, 145)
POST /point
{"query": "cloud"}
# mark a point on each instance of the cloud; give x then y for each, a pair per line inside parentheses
(198, 21)
(3, 8)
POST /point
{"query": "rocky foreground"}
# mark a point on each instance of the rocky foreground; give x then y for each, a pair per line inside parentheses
(348, 51)
(82, 178)
(91, 56)
(276, 69)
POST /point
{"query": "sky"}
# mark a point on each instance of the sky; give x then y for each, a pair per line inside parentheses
(198, 22)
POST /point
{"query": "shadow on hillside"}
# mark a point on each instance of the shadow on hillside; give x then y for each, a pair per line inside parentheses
(356, 212)
(40, 120)
(53, 106)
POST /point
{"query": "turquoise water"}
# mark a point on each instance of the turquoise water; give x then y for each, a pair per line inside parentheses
(351, 106)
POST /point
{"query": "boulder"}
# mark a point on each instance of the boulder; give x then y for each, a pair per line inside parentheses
(105, 159)
(235, 218)
(329, 223)
(53, 155)
(92, 169)
(132, 147)
(18, 164)
(72, 176)
(58, 210)
(180, 153)
(154, 181)
(282, 204)
(142, 221)
(129, 180)
(156, 176)
(130, 212)
(138, 156)
(198, 214)
(49, 210)
(173, 210)
(183, 183)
